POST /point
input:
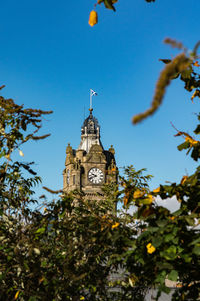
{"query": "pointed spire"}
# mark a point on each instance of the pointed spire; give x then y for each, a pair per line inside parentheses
(90, 133)
(69, 149)
(111, 149)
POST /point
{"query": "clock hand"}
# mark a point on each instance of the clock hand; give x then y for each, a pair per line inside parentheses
(92, 176)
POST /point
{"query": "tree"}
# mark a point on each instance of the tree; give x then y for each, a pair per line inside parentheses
(71, 249)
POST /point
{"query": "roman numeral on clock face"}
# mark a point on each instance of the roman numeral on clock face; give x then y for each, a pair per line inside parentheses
(95, 175)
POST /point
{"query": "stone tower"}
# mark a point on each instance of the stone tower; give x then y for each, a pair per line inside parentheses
(90, 166)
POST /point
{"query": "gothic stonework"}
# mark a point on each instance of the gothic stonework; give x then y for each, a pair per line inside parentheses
(90, 166)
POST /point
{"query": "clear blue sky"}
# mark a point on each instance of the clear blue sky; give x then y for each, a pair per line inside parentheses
(50, 57)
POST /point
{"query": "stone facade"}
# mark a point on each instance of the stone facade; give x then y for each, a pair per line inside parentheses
(89, 167)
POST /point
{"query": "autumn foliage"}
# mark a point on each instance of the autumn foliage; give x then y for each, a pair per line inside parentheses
(75, 249)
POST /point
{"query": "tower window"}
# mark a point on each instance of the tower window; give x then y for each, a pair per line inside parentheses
(74, 180)
(68, 175)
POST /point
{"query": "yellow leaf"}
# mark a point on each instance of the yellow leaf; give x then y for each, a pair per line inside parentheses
(195, 94)
(150, 248)
(82, 298)
(21, 153)
(149, 199)
(125, 200)
(115, 225)
(196, 64)
(138, 194)
(156, 190)
(41, 279)
(16, 295)
(93, 18)
(191, 141)
(184, 178)
(7, 156)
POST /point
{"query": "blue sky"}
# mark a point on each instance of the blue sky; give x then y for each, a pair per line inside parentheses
(50, 57)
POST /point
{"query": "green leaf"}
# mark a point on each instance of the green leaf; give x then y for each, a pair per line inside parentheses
(197, 130)
(173, 275)
(190, 220)
(186, 74)
(109, 4)
(164, 265)
(43, 264)
(23, 124)
(2, 154)
(194, 242)
(196, 153)
(168, 237)
(170, 253)
(157, 241)
(196, 250)
(164, 289)
(32, 299)
(40, 231)
(186, 257)
(165, 61)
(184, 145)
(176, 75)
(162, 223)
(161, 277)
(152, 229)
(177, 213)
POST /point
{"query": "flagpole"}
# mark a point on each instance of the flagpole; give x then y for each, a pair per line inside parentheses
(92, 93)
(90, 99)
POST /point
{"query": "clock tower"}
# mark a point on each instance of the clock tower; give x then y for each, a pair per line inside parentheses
(89, 167)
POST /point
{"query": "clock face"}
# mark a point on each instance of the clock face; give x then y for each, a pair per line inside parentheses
(95, 175)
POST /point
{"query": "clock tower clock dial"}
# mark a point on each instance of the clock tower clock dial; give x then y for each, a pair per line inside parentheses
(95, 175)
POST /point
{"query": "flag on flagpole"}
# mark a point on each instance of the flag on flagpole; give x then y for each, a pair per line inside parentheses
(93, 92)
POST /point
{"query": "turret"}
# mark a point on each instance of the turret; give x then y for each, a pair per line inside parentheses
(90, 133)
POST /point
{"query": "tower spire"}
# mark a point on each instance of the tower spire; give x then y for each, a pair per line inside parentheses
(90, 130)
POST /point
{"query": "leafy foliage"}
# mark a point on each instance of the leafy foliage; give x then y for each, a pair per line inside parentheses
(109, 4)
(75, 249)
(181, 66)
(16, 194)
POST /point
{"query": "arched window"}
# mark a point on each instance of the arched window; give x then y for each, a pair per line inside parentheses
(68, 176)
